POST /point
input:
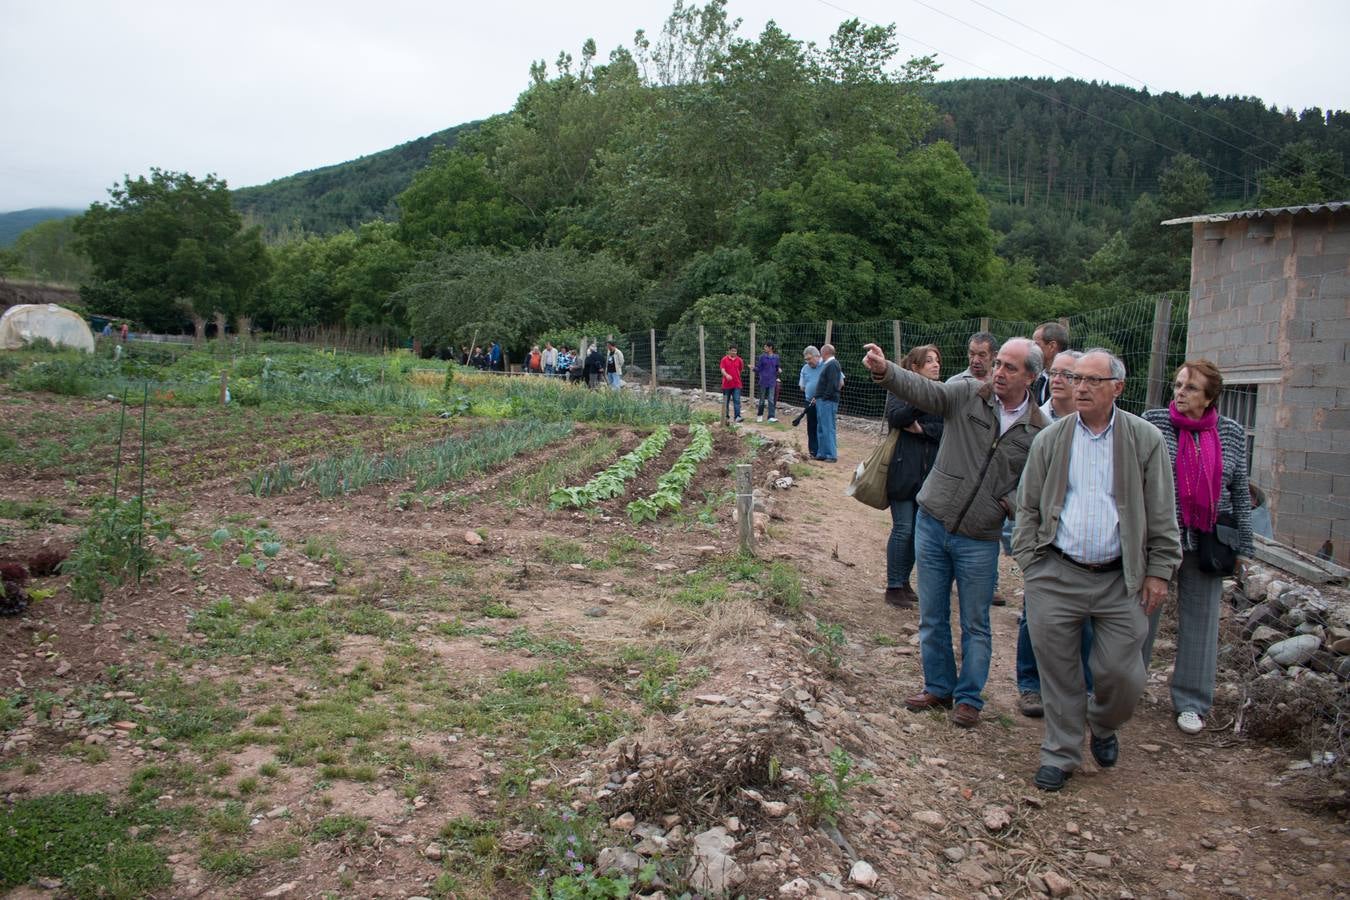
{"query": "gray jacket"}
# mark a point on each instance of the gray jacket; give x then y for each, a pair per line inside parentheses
(1143, 486)
(975, 466)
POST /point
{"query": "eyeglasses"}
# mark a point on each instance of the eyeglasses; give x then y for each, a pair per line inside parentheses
(1056, 373)
(1093, 381)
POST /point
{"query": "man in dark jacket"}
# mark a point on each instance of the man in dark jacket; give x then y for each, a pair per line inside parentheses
(988, 430)
(595, 366)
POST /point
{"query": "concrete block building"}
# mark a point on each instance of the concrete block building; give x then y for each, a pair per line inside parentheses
(1270, 305)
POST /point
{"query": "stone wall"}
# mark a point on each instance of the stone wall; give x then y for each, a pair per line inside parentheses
(1270, 304)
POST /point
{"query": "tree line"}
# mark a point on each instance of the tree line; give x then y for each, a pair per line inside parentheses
(700, 176)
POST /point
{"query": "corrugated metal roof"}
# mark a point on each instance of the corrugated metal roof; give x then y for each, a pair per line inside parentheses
(1334, 206)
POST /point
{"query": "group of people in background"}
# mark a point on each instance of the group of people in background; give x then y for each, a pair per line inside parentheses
(1027, 450)
(596, 367)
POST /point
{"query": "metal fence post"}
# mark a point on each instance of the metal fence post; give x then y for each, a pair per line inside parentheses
(1157, 359)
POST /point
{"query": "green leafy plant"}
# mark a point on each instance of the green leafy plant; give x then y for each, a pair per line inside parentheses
(826, 799)
(611, 482)
(112, 547)
(832, 639)
(669, 492)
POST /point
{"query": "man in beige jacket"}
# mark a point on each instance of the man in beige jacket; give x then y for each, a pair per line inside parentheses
(1096, 538)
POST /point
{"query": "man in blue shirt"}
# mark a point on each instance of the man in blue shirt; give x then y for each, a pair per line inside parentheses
(807, 380)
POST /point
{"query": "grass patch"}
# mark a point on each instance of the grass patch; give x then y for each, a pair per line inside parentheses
(81, 839)
(34, 513)
(521, 639)
(343, 827)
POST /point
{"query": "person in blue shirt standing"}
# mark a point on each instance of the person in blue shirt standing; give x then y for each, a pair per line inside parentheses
(807, 380)
(766, 382)
(495, 357)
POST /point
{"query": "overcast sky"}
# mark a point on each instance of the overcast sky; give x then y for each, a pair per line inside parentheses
(91, 90)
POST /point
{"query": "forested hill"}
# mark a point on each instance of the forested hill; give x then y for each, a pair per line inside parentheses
(13, 224)
(337, 197)
(1073, 144)
(1055, 144)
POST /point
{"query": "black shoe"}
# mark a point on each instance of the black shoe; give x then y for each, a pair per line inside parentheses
(1105, 750)
(1050, 778)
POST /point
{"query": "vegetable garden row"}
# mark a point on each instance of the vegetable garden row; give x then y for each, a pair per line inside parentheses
(670, 488)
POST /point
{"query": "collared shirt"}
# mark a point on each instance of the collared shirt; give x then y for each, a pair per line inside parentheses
(1048, 410)
(1089, 524)
(808, 379)
(960, 375)
(1040, 388)
(1006, 417)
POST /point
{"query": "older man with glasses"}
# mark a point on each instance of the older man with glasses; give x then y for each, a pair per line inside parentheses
(1029, 701)
(1097, 539)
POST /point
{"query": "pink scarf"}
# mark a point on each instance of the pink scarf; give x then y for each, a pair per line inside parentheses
(1199, 467)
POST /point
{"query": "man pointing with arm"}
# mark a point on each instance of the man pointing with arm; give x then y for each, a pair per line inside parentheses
(971, 489)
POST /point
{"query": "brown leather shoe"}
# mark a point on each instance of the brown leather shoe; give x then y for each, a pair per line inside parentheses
(924, 700)
(965, 716)
(901, 597)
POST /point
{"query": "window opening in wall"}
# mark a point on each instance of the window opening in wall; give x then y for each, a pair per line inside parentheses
(1238, 402)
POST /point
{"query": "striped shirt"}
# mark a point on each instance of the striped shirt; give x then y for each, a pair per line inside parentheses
(1089, 524)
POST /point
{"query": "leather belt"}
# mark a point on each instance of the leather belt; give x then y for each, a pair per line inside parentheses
(1110, 566)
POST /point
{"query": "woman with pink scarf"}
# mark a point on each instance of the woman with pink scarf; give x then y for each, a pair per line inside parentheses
(1209, 458)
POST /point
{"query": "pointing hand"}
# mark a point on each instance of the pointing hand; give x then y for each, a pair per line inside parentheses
(875, 360)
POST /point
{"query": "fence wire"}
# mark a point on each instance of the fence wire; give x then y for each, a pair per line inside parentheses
(683, 361)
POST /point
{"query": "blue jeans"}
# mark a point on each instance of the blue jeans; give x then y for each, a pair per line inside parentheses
(812, 442)
(970, 563)
(614, 380)
(1028, 675)
(826, 410)
(766, 395)
(900, 546)
(731, 396)
(1006, 540)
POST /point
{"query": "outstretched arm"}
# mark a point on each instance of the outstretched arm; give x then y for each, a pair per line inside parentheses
(932, 396)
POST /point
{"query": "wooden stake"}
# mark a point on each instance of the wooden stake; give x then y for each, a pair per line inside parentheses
(745, 508)
(750, 355)
(653, 360)
(702, 360)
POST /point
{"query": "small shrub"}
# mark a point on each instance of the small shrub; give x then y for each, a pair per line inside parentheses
(826, 799)
(112, 547)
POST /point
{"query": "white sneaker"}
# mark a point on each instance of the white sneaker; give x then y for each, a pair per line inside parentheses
(1190, 723)
(772, 419)
(759, 418)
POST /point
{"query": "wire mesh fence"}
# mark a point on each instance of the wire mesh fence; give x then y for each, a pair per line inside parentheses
(690, 356)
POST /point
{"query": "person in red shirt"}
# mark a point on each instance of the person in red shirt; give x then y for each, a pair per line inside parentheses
(732, 367)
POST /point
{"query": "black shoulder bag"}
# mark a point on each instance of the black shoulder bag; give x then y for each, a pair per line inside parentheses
(1217, 550)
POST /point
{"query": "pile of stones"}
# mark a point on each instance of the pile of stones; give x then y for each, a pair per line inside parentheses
(1298, 630)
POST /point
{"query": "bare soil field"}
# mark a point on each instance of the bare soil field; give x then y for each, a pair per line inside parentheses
(463, 692)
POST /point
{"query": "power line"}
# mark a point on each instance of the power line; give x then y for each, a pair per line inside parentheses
(1113, 90)
(1127, 75)
(1041, 94)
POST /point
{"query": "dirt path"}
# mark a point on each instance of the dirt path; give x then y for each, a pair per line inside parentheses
(1179, 816)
